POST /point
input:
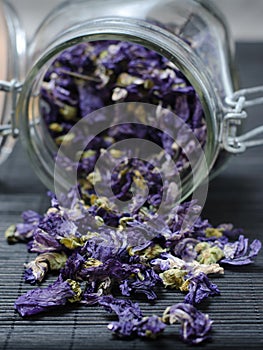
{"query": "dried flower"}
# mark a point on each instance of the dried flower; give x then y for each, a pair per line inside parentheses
(174, 278)
(208, 254)
(131, 321)
(150, 327)
(195, 325)
(37, 269)
(39, 300)
(23, 232)
(200, 288)
(241, 252)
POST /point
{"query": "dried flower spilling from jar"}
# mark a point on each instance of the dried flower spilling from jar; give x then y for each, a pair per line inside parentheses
(104, 267)
(107, 257)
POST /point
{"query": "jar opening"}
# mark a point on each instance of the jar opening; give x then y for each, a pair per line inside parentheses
(92, 72)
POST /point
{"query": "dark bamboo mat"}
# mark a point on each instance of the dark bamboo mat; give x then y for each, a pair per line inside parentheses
(235, 196)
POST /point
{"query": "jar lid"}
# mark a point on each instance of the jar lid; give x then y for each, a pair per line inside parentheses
(12, 70)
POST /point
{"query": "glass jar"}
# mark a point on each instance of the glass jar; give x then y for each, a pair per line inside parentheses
(192, 34)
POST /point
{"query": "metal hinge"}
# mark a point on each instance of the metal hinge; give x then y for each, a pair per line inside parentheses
(13, 87)
(238, 101)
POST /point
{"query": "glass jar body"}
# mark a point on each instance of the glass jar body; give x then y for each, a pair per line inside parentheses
(189, 33)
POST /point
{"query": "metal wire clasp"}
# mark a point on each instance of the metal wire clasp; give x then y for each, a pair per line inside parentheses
(238, 101)
(13, 87)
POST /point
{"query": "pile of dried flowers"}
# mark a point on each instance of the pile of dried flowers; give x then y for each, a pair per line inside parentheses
(97, 265)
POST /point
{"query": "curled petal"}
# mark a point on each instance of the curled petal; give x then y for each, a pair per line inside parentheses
(200, 288)
(37, 269)
(195, 325)
(241, 252)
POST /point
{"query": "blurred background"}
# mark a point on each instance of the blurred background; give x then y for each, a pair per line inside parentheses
(245, 17)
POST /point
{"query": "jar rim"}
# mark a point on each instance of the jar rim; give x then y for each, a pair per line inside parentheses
(144, 33)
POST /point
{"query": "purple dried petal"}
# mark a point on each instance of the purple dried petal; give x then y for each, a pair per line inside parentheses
(30, 277)
(150, 327)
(131, 321)
(31, 217)
(111, 268)
(122, 308)
(44, 242)
(98, 249)
(240, 252)
(57, 224)
(143, 283)
(184, 249)
(72, 267)
(200, 288)
(89, 100)
(39, 300)
(23, 232)
(128, 313)
(162, 264)
(125, 288)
